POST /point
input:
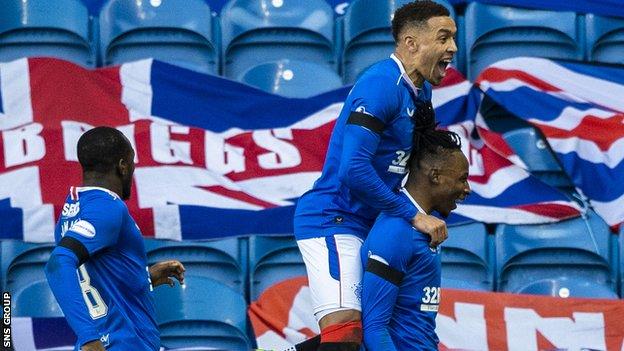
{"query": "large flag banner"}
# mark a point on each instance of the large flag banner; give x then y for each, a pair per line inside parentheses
(214, 157)
(467, 320)
(580, 111)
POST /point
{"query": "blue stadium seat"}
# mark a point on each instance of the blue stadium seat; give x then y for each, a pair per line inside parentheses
(272, 259)
(567, 287)
(178, 32)
(534, 151)
(258, 31)
(494, 33)
(605, 38)
(42, 28)
(576, 249)
(203, 314)
(35, 300)
(465, 258)
(223, 260)
(368, 34)
(23, 263)
(292, 78)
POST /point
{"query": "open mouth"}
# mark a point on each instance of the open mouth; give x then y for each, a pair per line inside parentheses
(442, 65)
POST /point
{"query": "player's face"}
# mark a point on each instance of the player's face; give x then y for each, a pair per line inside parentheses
(126, 179)
(453, 184)
(436, 48)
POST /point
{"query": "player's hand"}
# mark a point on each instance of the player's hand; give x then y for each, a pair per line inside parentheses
(433, 226)
(161, 272)
(95, 345)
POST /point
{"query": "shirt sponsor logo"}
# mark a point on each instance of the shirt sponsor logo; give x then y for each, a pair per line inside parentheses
(83, 228)
(70, 210)
(429, 308)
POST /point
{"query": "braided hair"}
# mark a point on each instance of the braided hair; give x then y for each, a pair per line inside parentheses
(429, 140)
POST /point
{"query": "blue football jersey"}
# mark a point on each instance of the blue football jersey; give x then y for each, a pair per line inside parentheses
(114, 281)
(367, 156)
(400, 287)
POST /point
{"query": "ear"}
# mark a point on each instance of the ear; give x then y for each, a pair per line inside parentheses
(122, 167)
(410, 43)
(434, 176)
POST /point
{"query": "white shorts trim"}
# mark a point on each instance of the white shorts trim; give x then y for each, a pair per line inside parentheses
(334, 272)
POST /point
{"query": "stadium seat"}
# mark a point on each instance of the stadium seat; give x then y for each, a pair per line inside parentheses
(57, 29)
(605, 38)
(23, 263)
(566, 287)
(272, 259)
(292, 78)
(368, 34)
(180, 32)
(202, 314)
(576, 249)
(533, 149)
(258, 31)
(494, 33)
(465, 258)
(223, 260)
(35, 300)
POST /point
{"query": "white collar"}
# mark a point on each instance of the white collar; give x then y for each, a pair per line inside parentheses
(87, 188)
(404, 75)
(404, 191)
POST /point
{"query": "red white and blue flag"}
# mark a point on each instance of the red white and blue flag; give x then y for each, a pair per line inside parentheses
(214, 157)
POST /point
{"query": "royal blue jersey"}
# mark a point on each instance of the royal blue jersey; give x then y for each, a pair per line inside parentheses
(109, 296)
(367, 156)
(400, 287)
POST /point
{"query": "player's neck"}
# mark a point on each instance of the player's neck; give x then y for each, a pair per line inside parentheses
(411, 69)
(100, 180)
(420, 196)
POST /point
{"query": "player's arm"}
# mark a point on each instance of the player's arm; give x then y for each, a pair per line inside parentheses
(373, 109)
(383, 273)
(97, 229)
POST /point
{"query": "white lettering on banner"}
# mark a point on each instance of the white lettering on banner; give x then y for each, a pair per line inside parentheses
(283, 154)
(23, 145)
(25, 193)
(167, 151)
(128, 131)
(583, 331)
(221, 157)
(15, 87)
(72, 131)
(468, 331)
(182, 185)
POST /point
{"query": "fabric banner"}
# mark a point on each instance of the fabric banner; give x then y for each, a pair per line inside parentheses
(578, 108)
(467, 320)
(214, 157)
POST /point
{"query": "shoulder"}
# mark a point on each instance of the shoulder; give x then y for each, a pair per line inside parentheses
(390, 236)
(382, 76)
(427, 90)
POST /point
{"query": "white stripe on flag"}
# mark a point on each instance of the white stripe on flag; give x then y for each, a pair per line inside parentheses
(612, 212)
(16, 101)
(167, 223)
(501, 215)
(441, 96)
(22, 334)
(589, 151)
(136, 88)
(499, 181)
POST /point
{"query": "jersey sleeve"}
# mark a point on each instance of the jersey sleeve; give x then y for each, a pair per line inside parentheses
(375, 105)
(383, 273)
(63, 280)
(98, 227)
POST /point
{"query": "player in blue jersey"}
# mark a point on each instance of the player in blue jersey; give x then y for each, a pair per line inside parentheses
(365, 163)
(401, 284)
(98, 270)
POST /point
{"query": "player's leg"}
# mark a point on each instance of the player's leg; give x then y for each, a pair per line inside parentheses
(334, 275)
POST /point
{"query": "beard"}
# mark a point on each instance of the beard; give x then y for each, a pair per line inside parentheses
(126, 189)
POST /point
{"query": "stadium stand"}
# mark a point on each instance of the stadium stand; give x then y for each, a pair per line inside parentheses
(573, 254)
(34, 28)
(494, 33)
(368, 35)
(203, 314)
(177, 32)
(35, 300)
(272, 259)
(256, 31)
(605, 39)
(533, 149)
(292, 78)
(466, 258)
(22, 263)
(222, 260)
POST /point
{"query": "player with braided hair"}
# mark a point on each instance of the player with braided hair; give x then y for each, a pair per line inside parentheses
(401, 284)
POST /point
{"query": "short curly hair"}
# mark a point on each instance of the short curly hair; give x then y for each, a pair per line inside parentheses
(101, 148)
(416, 14)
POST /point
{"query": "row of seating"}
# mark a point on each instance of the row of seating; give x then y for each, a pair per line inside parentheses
(252, 32)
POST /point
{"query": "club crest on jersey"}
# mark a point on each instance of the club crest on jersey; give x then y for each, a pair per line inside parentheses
(83, 228)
